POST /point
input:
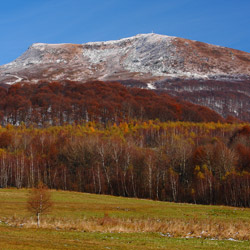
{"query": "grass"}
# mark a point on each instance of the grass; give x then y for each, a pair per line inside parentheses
(16, 238)
(89, 221)
(79, 205)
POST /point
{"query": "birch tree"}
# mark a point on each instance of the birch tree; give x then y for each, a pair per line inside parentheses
(39, 201)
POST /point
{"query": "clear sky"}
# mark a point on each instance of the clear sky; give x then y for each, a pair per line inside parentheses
(23, 22)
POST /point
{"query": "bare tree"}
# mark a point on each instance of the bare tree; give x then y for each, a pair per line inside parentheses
(39, 201)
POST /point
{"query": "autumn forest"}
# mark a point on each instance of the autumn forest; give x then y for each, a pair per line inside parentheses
(105, 138)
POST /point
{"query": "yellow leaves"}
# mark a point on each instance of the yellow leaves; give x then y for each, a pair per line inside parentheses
(9, 126)
(177, 137)
(227, 174)
(172, 172)
(2, 151)
(190, 141)
(205, 168)
(91, 124)
(235, 173)
(200, 175)
(22, 126)
(124, 127)
(92, 129)
(197, 168)
(245, 173)
(150, 122)
(192, 135)
(202, 172)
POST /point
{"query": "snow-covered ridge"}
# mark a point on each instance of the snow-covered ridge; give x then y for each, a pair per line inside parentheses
(38, 45)
(144, 57)
(154, 38)
(134, 54)
(151, 61)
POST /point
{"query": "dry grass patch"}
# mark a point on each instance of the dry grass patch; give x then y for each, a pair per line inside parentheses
(208, 228)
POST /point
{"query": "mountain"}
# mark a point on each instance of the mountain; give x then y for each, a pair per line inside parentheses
(205, 74)
(145, 57)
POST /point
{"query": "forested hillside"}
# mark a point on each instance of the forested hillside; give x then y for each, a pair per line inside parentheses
(206, 163)
(57, 103)
(227, 97)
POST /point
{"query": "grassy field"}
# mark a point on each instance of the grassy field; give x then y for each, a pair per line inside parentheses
(89, 221)
(14, 238)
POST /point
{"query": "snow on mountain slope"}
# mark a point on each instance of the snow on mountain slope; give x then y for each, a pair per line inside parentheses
(144, 57)
(205, 74)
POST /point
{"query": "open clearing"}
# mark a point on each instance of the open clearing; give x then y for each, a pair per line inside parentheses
(89, 221)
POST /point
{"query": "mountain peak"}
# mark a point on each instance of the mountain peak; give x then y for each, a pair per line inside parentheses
(144, 57)
(183, 67)
(150, 36)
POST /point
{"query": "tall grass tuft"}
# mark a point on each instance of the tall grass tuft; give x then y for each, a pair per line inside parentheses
(189, 228)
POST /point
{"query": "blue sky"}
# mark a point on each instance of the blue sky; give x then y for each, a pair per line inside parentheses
(220, 22)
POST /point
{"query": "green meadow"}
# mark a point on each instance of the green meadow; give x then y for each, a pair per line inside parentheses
(90, 221)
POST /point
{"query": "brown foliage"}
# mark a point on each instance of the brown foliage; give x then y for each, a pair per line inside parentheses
(68, 102)
(184, 162)
(39, 201)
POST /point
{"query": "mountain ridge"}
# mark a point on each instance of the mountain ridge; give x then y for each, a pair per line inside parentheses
(145, 57)
(205, 74)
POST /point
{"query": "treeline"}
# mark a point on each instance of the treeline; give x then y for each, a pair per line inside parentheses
(207, 163)
(60, 103)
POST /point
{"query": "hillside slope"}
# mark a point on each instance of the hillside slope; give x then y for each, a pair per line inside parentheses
(219, 76)
(145, 57)
(58, 103)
